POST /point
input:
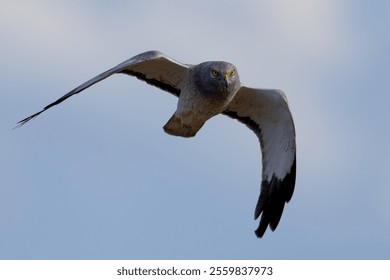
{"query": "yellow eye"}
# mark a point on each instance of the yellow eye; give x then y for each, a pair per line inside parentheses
(232, 73)
(215, 73)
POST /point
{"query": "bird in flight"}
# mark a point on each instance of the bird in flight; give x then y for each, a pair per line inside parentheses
(211, 88)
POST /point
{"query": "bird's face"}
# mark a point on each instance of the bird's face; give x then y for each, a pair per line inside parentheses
(217, 79)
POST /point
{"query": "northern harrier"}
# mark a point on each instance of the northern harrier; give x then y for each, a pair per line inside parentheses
(212, 88)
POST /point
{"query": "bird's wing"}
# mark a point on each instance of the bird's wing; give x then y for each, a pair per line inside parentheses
(152, 67)
(266, 112)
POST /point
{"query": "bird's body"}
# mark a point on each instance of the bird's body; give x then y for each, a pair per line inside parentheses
(211, 88)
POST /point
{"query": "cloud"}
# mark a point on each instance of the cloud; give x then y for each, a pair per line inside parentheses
(315, 27)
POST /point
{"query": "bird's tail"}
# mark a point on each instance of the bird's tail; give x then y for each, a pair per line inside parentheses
(175, 126)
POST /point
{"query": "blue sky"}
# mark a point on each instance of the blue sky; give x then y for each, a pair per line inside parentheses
(97, 178)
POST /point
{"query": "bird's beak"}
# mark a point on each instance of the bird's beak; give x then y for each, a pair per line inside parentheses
(226, 79)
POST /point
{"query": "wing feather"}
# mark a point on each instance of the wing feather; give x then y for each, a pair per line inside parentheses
(153, 67)
(266, 112)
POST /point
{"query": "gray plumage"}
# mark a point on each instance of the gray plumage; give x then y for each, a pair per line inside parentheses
(212, 88)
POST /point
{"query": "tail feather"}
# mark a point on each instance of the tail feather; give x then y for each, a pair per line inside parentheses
(175, 126)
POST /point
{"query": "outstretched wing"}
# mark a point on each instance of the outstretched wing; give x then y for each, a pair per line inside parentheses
(266, 112)
(152, 67)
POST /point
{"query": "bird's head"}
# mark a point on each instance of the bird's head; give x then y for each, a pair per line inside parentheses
(217, 79)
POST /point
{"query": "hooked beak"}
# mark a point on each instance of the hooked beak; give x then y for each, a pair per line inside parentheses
(226, 79)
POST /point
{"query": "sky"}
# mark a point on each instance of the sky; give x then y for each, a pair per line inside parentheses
(97, 178)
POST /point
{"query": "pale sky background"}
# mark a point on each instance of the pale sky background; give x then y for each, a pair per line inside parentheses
(97, 178)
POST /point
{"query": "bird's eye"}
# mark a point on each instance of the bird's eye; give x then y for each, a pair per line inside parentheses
(232, 73)
(215, 73)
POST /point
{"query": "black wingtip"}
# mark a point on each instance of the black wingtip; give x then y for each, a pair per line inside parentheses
(273, 197)
(24, 121)
(261, 229)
